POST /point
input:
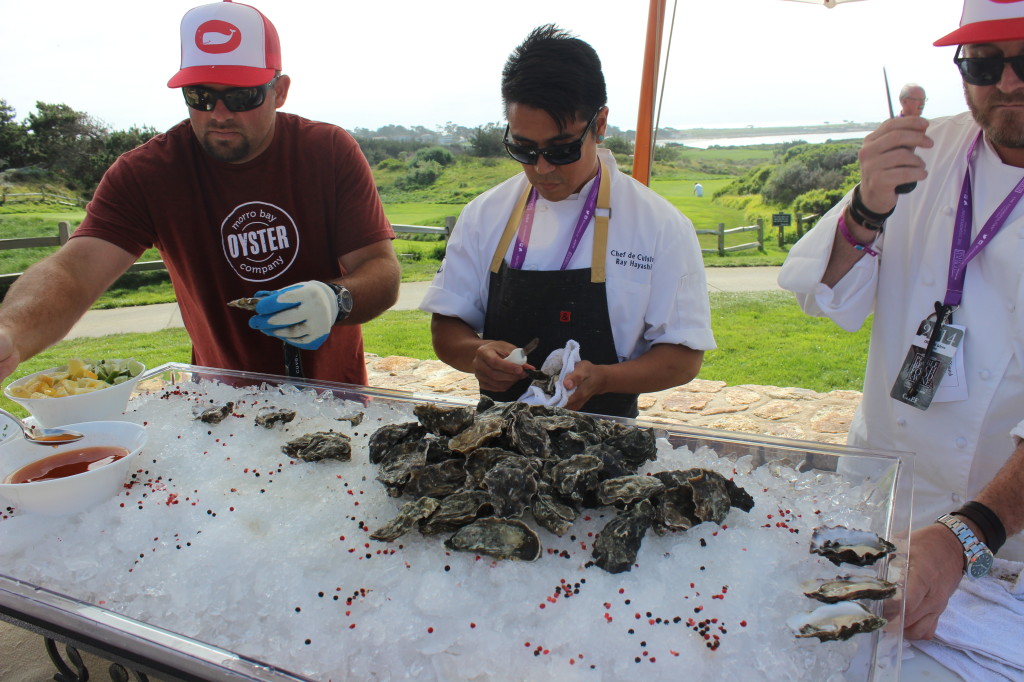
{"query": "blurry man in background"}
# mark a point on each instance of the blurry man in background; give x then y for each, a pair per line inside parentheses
(912, 100)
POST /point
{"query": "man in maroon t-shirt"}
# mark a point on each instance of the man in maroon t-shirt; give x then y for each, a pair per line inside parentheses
(242, 201)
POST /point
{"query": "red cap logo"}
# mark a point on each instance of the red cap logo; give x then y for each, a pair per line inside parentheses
(217, 37)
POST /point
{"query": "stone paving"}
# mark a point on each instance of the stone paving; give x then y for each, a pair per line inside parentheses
(769, 410)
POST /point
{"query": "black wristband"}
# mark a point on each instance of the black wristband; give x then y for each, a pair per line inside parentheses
(865, 216)
(987, 522)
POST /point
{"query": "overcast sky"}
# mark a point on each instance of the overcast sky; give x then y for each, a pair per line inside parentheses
(367, 63)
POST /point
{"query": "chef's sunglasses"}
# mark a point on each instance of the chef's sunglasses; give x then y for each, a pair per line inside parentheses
(235, 99)
(557, 155)
(987, 70)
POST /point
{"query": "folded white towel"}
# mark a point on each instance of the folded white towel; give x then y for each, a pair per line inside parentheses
(561, 361)
(980, 635)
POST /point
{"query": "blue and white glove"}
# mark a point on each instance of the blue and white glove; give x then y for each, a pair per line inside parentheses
(301, 315)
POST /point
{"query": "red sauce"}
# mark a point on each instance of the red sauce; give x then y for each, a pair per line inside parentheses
(59, 438)
(67, 463)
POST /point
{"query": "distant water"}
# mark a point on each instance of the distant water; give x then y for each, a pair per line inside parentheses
(704, 143)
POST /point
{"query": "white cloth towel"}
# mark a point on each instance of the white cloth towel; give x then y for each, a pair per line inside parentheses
(561, 361)
(980, 635)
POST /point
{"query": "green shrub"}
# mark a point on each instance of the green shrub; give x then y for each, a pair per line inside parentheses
(439, 155)
(438, 252)
(390, 164)
(817, 200)
(421, 175)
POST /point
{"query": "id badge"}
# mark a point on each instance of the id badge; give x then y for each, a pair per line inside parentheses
(922, 373)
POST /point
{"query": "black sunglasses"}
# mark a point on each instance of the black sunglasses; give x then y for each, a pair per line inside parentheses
(235, 99)
(557, 155)
(987, 70)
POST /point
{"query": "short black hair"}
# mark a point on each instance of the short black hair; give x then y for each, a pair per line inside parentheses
(556, 72)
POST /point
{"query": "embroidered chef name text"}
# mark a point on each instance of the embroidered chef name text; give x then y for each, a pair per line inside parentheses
(631, 259)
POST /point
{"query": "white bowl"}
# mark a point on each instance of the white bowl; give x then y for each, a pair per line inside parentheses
(103, 404)
(58, 496)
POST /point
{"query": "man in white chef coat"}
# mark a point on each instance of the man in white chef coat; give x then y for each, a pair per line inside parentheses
(570, 249)
(940, 268)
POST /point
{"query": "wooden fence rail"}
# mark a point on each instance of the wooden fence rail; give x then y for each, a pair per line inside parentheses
(721, 232)
(6, 196)
(64, 232)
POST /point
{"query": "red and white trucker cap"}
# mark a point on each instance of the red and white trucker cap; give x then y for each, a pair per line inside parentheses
(227, 43)
(988, 21)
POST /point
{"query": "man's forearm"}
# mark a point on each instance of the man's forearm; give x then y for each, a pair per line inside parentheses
(1004, 496)
(374, 287)
(665, 365)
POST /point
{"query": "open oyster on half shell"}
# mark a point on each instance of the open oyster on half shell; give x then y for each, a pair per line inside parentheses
(839, 545)
(847, 587)
(835, 622)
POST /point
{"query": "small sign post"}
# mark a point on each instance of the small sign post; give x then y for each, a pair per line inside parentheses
(782, 220)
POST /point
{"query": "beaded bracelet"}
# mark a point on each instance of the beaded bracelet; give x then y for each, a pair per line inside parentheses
(845, 231)
(987, 522)
(865, 216)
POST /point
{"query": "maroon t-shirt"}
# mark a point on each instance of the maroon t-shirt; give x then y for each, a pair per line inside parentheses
(228, 230)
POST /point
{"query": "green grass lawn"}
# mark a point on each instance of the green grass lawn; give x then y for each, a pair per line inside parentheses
(763, 338)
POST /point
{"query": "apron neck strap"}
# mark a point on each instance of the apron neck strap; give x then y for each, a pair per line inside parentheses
(601, 217)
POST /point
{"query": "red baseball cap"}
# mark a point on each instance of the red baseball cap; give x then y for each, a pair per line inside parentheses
(988, 21)
(227, 43)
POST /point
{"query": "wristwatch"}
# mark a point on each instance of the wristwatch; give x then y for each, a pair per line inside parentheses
(977, 555)
(344, 297)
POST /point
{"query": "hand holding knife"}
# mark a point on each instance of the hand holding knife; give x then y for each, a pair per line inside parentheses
(518, 356)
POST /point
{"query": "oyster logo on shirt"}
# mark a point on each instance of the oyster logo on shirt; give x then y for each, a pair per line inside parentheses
(260, 241)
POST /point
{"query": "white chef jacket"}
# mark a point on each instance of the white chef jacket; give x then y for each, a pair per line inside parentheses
(655, 282)
(960, 446)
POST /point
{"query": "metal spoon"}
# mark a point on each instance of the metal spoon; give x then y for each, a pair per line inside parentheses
(41, 436)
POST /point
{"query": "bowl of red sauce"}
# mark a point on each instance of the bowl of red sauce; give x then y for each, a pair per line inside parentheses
(69, 477)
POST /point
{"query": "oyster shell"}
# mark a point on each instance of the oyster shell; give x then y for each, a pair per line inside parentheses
(444, 421)
(576, 477)
(213, 415)
(389, 437)
(616, 547)
(244, 303)
(511, 488)
(839, 545)
(269, 415)
(499, 538)
(314, 447)
(629, 489)
(550, 513)
(846, 587)
(353, 419)
(458, 510)
(408, 516)
(834, 622)
(435, 480)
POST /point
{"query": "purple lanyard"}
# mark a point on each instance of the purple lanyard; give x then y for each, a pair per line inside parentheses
(962, 250)
(526, 226)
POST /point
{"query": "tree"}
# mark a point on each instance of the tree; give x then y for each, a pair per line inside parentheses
(13, 138)
(486, 140)
(618, 145)
(63, 141)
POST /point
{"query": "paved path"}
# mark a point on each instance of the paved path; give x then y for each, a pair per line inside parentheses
(152, 318)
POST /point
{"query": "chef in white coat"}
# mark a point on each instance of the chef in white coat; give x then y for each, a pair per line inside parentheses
(570, 249)
(941, 269)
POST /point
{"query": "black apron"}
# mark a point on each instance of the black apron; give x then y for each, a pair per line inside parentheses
(555, 306)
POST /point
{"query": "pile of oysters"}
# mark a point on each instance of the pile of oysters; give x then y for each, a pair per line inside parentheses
(473, 473)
